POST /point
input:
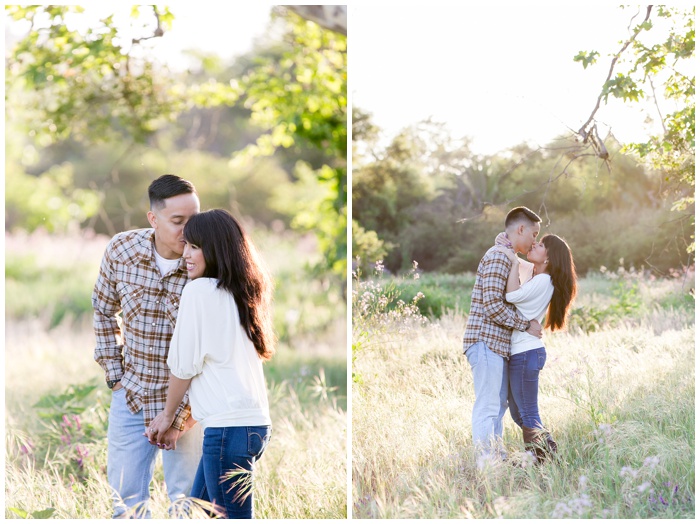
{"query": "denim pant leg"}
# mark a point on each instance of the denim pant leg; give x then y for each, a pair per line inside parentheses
(199, 487)
(524, 373)
(180, 465)
(227, 450)
(130, 458)
(512, 406)
(490, 372)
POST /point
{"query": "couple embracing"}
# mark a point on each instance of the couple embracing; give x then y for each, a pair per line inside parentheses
(503, 338)
(182, 322)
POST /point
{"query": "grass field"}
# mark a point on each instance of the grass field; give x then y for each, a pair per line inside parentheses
(617, 392)
(57, 404)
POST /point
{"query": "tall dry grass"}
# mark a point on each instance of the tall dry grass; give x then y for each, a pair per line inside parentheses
(301, 475)
(619, 400)
(56, 467)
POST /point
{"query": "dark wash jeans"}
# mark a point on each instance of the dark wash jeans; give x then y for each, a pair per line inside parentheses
(523, 384)
(227, 450)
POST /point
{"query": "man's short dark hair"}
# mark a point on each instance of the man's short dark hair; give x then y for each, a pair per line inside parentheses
(168, 186)
(522, 213)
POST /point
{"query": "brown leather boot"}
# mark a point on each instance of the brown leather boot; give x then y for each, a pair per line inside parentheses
(533, 442)
(540, 442)
(551, 444)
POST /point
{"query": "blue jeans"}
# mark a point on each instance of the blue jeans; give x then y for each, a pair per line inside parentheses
(131, 460)
(524, 374)
(225, 451)
(490, 372)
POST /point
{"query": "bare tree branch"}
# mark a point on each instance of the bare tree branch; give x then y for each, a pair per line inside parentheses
(157, 32)
(582, 131)
(656, 103)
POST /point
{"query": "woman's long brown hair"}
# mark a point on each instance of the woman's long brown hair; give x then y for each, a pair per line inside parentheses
(232, 259)
(562, 271)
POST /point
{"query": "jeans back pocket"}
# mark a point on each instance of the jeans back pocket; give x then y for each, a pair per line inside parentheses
(258, 438)
(541, 358)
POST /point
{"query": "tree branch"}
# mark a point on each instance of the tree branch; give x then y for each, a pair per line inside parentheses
(582, 131)
(158, 32)
(656, 103)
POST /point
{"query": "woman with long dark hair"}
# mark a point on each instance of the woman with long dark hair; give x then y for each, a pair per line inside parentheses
(551, 290)
(222, 336)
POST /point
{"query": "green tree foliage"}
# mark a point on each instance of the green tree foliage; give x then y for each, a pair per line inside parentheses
(658, 63)
(365, 136)
(51, 201)
(432, 200)
(85, 82)
(301, 97)
(78, 87)
(366, 247)
(386, 192)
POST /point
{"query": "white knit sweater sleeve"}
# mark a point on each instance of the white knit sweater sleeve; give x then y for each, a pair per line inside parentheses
(187, 354)
(531, 292)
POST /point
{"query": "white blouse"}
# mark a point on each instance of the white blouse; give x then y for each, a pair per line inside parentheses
(531, 300)
(210, 346)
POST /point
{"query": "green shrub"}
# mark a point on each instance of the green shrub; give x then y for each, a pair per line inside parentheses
(73, 425)
(441, 292)
(52, 292)
(367, 249)
(648, 238)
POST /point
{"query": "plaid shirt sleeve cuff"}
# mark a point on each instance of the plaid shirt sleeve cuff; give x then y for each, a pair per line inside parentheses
(113, 368)
(114, 375)
(183, 413)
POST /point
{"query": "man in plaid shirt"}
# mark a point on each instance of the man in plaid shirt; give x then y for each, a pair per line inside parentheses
(487, 337)
(142, 276)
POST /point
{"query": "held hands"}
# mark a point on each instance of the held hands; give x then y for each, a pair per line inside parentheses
(161, 433)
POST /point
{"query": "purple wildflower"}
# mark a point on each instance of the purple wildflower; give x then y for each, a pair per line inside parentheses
(27, 448)
(82, 452)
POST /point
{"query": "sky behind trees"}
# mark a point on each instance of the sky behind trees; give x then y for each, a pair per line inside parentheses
(225, 29)
(500, 73)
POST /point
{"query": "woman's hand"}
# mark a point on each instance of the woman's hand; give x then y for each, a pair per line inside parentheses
(512, 256)
(502, 240)
(158, 428)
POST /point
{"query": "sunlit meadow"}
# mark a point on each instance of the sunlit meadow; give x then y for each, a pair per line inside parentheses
(617, 392)
(57, 403)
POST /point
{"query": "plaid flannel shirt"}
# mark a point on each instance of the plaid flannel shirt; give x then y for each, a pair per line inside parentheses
(491, 318)
(133, 347)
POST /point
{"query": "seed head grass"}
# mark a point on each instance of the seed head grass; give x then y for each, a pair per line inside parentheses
(618, 399)
(57, 404)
